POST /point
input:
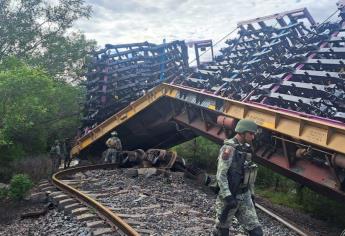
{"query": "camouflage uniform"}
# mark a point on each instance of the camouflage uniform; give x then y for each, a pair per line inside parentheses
(245, 210)
(112, 155)
(55, 155)
(66, 148)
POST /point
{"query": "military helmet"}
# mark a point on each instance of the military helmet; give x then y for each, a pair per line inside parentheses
(114, 133)
(246, 126)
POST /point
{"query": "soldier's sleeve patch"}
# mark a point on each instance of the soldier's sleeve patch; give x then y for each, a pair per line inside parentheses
(227, 152)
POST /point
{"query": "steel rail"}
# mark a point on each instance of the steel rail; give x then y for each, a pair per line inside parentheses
(281, 220)
(113, 219)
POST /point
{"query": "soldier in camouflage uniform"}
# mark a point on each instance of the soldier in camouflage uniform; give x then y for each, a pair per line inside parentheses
(66, 149)
(236, 174)
(55, 155)
(114, 144)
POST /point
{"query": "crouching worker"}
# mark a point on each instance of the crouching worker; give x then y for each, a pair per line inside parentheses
(236, 175)
(113, 152)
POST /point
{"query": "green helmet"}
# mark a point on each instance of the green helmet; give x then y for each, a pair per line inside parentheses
(114, 133)
(246, 126)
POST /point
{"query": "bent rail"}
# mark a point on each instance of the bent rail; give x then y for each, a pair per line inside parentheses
(111, 217)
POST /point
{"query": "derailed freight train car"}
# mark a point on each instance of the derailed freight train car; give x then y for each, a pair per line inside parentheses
(283, 71)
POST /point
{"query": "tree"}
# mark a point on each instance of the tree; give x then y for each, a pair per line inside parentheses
(34, 108)
(200, 151)
(36, 30)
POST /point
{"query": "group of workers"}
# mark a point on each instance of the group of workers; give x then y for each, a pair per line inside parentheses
(236, 173)
(59, 151)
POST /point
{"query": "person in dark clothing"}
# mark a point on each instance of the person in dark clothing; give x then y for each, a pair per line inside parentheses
(67, 146)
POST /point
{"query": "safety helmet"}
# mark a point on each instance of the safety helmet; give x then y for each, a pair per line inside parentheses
(246, 126)
(114, 133)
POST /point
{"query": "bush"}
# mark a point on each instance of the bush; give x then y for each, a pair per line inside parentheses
(200, 152)
(3, 193)
(267, 178)
(20, 184)
(37, 167)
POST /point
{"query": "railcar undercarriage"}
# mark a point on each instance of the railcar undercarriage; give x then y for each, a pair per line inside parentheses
(283, 71)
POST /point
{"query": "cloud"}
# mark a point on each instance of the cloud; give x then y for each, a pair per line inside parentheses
(118, 21)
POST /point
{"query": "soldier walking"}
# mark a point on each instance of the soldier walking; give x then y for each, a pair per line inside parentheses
(114, 145)
(236, 175)
(66, 152)
(55, 155)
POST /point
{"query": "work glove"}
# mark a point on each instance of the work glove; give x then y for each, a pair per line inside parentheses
(230, 201)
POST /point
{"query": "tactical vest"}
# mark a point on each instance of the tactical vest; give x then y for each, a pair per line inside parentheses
(113, 142)
(242, 172)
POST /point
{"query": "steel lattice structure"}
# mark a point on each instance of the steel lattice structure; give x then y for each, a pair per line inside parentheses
(119, 74)
(284, 60)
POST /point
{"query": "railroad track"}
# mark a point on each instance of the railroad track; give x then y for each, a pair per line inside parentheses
(120, 209)
(117, 225)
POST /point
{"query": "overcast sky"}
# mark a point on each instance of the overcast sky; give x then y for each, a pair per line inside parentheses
(128, 21)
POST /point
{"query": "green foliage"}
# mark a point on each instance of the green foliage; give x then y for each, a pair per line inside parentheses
(267, 178)
(39, 32)
(318, 205)
(284, 191)
(41, 58)
(200, 151)
(3, 193)
(282, 198)
(20, 184)
(35, 109)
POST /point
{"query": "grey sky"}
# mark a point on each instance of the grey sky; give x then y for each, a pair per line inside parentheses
(119, 21)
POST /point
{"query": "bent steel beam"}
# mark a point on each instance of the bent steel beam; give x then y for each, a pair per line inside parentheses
(324, 133)
(199, 111)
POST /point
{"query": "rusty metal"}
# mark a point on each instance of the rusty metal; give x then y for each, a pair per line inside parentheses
(132, 158)
(171, 156)
(155, 155)
(226, 122)
(114, 220)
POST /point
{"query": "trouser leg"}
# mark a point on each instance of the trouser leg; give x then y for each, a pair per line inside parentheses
(107, 156)
(247, 216)
(65, 162)
(222, 228)
(54, 165)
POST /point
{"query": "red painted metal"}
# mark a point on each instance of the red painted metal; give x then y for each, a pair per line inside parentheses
(227, 122)
(318, 177)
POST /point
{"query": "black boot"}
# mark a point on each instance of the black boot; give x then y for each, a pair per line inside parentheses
(256, 232)
(221, 232)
